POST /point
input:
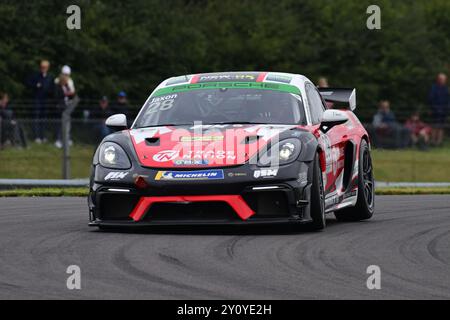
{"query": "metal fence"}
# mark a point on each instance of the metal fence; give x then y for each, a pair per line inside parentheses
(86, 131)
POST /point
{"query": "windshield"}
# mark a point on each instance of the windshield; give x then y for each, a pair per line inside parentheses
(224, 105)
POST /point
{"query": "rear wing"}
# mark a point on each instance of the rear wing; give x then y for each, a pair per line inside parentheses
(341, 96)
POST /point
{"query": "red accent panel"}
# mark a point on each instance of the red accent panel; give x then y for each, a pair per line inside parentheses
(261, 77)
(195, 79)
(235, 201)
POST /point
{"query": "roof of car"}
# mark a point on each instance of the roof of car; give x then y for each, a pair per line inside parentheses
(236, 76)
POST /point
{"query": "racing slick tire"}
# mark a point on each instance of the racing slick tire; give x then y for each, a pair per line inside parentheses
(365, 202)
(317, 198)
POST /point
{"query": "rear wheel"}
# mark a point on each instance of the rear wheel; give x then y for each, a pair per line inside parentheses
(365, 202)
(317, 198)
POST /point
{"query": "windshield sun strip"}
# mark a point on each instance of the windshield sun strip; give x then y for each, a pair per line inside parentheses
(228, 85)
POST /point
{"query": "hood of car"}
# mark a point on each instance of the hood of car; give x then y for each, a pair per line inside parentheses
(202, 146)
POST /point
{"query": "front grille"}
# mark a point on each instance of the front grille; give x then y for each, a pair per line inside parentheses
(117, 206)
(268, 204)
(194, 211)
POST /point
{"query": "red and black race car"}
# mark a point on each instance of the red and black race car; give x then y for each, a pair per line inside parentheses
(235, 148)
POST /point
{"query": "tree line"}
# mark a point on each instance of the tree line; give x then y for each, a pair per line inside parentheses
(133, 45)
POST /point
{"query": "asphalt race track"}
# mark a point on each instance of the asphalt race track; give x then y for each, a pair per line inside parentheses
(408, 238)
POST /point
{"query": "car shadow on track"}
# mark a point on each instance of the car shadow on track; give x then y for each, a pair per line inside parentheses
(276, 229)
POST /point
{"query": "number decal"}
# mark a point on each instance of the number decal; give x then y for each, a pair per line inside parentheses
(161, 103)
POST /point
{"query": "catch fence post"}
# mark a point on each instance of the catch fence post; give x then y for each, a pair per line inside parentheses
(65, 132)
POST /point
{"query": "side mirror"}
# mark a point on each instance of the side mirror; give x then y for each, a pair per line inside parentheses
(331, 118)
(117, 122)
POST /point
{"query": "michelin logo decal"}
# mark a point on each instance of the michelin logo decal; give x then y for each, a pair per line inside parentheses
(190, 175)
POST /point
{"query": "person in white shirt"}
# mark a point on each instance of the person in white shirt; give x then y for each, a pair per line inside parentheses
(65, 91)
(65, 82)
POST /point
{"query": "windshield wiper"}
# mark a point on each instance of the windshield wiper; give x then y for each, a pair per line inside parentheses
(205, 124)
(234, 122)
(167, 125)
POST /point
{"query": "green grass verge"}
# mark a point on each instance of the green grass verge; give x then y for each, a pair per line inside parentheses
(83, 192)
(44, 162)
(412, 165)
(45, 192)
(412, 191)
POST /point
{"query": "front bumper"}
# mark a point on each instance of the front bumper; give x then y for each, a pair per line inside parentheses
(237, 199)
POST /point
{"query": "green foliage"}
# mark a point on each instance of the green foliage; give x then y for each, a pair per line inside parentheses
(133, 45)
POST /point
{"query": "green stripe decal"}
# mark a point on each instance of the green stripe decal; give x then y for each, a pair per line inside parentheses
(232, 85)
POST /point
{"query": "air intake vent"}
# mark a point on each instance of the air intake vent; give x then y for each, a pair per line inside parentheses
(152, 141)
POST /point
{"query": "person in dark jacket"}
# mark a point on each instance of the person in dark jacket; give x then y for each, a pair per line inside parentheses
(439, 103)
(10, 130)
(41, 85)
(121, 105)
(101, 113)
(386, 127)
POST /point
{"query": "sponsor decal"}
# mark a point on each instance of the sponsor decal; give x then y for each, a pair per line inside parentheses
(265, 173)
(350, 194)
(165, 155)
(278, 78)
(250, 76)
(232, 85)
(164, 98)
(201, 138)
(116, 175)
(189, 175)
(184, 162)
(209, 154)
(191, 157)
(236, 174)
(178, 80)
(159, 104)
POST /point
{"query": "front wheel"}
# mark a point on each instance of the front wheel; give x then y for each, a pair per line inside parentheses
(317, 198)
(365, 202)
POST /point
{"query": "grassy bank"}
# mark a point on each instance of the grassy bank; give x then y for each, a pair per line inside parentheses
(412, 165)
(45, 192)
(45, 162)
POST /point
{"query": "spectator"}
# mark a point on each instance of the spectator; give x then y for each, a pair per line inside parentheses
(419, 131)
(439, 102)
(11, 131)
(386, 126)
(64, 93)
(66, 84)
(41, 84)
(121, 105)
(322, 82)
(101, 114)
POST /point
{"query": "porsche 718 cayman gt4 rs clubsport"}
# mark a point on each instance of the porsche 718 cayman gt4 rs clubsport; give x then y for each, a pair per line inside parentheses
(234, 148)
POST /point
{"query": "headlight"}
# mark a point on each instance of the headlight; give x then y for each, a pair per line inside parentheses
(286, 151)
(112, 155)
(283, 152)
